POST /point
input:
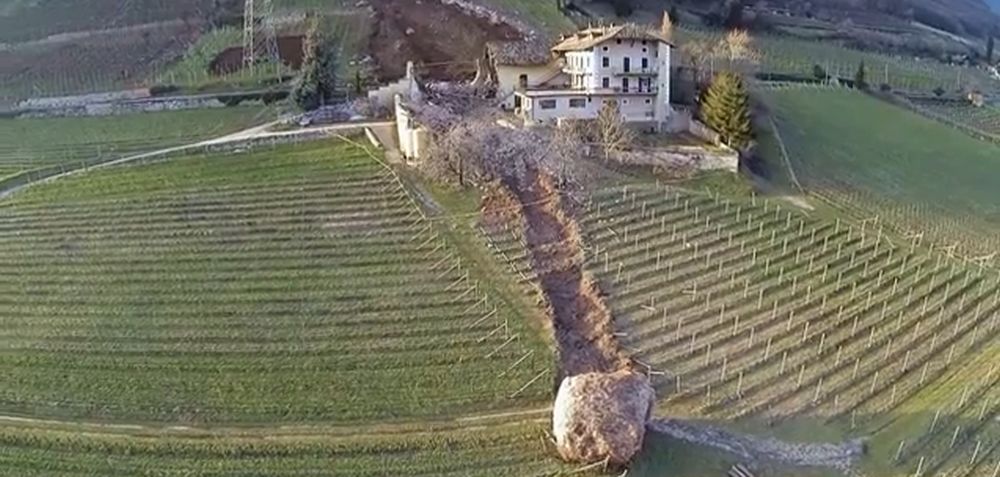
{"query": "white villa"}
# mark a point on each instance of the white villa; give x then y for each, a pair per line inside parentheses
(627, 64)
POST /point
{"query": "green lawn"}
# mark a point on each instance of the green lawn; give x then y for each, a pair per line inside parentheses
(503, 449)
(878, 159)
(542, 13)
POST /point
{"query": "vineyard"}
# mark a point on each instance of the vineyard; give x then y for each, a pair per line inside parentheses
(748, 313)
(104, 61)
(27, 20)
(298, 286)
(30, 144)
(984, 120)
(925, 179)
(792, 56)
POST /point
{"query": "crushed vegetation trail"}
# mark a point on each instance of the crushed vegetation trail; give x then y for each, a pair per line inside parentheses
(840, 456)
(581, 321)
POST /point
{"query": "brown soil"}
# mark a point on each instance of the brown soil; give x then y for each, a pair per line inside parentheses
(582, 321)
(230, 60)
(440, 35)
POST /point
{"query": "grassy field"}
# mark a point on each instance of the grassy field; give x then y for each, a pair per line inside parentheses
(915, 174)
(28, 144)
(788, 55)
(515, 449)
(543, 14)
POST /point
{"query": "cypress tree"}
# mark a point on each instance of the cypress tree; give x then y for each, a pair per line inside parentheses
(859, 77)
(317, 80)
(989, 50)
(726, 109)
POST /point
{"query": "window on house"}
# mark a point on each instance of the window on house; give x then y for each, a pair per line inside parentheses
(606, 62)
(643, 42)
(625, 85)
(605, 82)
(644, 50)
(624, 101)
(649, 101)
(577, 103)
(645, 63)
(547, 104)
(618, 41)
(522, 81)
(605, 48)
(626, 64)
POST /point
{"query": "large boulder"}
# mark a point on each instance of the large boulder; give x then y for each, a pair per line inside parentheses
(602, 416)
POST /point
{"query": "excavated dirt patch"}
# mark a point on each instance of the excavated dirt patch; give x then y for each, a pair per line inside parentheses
(431, 32)
(230, 60)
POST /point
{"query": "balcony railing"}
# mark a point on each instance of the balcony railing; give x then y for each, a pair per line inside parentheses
(636, 72)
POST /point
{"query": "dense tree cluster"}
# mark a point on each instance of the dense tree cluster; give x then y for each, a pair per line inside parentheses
(316, 84)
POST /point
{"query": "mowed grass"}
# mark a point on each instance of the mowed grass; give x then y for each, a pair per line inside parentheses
(27, 144)
(543, 14)
(292, 285)
(880, 160)
(504, 449)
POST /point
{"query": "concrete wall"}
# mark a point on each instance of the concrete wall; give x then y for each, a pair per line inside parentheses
(408, 87)
(634, 108)
(682, 120)
(685, 157)
(412, 137)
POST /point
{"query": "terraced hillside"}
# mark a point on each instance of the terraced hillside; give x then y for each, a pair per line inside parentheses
(296, 292)
(770, 320)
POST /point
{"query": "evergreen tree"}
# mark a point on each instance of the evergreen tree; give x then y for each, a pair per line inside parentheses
(819, 73)
(859, 77)
(674, 19)
(726, 109)
(989, 50)
(317, 80)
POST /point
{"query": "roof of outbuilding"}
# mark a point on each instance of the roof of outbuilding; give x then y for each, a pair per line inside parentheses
(532, 51)
(593, 36)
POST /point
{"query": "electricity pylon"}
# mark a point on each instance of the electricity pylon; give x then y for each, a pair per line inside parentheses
(260, 43)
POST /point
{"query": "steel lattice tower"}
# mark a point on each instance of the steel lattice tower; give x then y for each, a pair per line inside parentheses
(260, 42)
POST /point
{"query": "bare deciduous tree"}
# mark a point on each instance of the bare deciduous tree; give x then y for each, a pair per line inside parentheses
(667, 27)
(736, 50)
(613, 134)
(697, 53)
